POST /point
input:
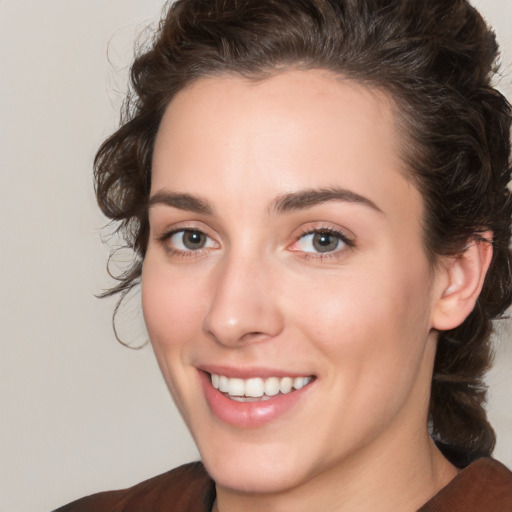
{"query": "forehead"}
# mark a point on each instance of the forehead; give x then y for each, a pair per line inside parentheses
(298, 129)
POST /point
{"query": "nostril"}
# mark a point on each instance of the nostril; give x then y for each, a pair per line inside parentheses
(254, 337)
(235, 339)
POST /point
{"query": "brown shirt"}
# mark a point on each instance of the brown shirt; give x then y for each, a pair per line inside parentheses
(484, 486)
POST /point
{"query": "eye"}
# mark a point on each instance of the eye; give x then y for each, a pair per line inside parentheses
(321, 241)
(186, 240)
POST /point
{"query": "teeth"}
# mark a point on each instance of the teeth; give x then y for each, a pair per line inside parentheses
(258, 387)
(236, 387)
(272, 386)
(299, 383)
(254, 387)
(223, 384)
(286, 385)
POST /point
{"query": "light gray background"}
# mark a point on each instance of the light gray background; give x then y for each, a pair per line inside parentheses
(78, 412)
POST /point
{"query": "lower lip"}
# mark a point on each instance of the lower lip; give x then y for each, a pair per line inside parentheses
(248, 414)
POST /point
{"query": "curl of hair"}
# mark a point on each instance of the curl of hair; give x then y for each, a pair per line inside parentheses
(435, 58)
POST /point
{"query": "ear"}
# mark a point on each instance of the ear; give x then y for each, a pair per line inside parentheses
(460, 279)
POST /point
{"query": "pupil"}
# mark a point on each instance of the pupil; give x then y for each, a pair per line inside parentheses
(325, 242)
(194, 240)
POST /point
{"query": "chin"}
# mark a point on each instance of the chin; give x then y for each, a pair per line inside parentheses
(255, 467)
(265, 478)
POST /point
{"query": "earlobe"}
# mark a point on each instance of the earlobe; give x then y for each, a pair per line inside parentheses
(461, 280)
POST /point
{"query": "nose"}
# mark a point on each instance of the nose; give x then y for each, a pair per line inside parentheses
(244, 303)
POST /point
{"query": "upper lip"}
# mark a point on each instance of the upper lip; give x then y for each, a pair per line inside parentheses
(250, 372)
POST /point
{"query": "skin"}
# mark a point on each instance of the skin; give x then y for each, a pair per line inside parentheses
(361, 318)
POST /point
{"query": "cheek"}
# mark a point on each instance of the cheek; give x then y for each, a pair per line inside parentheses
(173, 315)
(371, 325)
(173, 312)
(349, 307)
(371, 336)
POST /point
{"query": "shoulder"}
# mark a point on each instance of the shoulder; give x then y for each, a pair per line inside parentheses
(483, 486)
(187, 488)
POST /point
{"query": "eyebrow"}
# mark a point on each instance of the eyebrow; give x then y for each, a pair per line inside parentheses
(293, 201)
(308, 198)
(181, 201)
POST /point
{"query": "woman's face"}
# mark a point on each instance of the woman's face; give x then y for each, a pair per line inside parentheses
(285, 263)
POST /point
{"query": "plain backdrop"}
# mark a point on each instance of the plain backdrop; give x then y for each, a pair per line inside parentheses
(79, 413)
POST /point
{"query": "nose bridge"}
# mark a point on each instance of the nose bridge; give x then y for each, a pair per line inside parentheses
(242, 307)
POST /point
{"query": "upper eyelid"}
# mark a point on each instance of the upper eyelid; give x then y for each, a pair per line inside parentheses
(322, 230)
(171, 232)
(172, 228)
(342, 233)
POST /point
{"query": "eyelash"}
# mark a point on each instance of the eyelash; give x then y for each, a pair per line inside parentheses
(172, 251)
(342, 237)
(348, 242)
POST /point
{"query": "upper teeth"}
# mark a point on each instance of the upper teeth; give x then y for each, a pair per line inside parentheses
(257, 387)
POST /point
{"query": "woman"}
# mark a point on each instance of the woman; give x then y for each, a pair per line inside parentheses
(316, 192)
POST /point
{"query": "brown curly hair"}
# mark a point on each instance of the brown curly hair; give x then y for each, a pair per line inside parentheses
(436, 58)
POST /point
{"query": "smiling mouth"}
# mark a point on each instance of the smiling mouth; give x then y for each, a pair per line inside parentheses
(257, 389)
